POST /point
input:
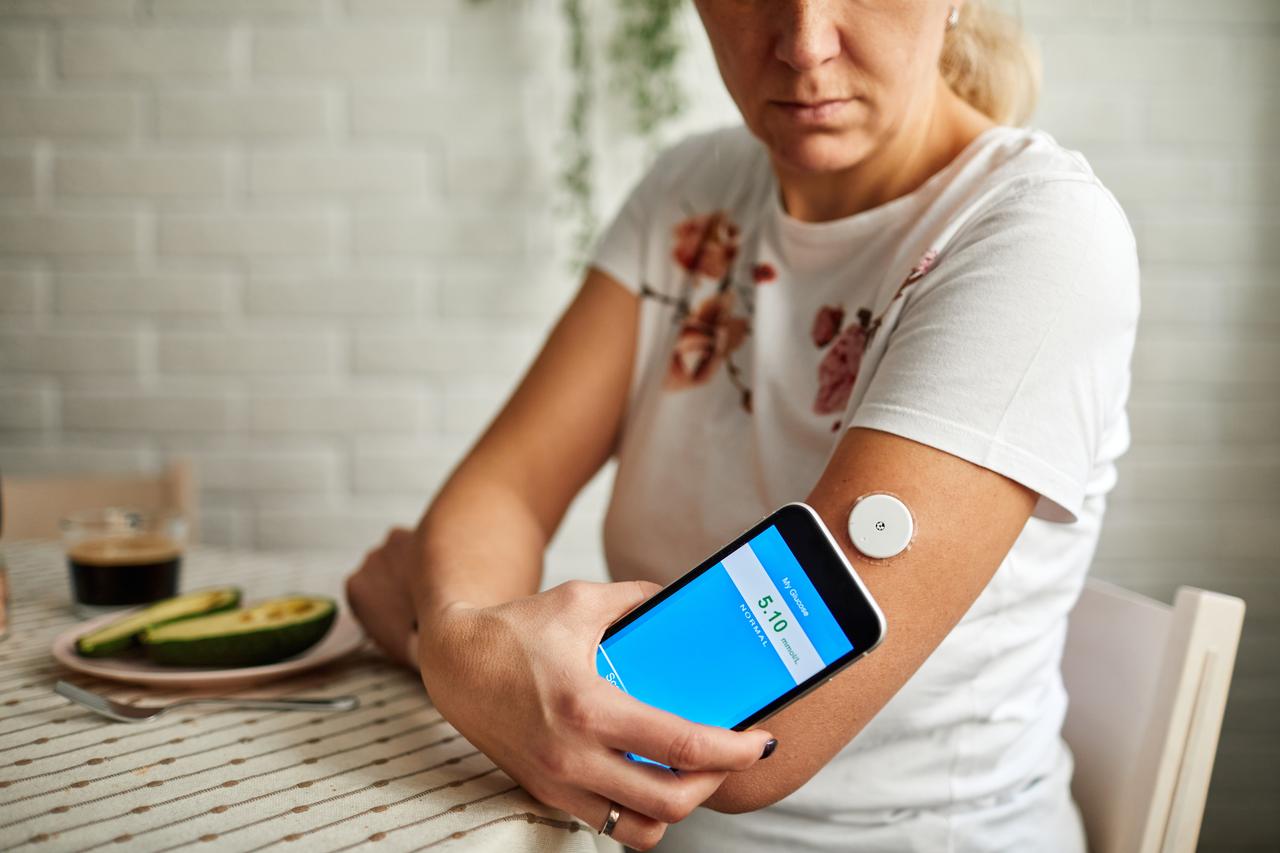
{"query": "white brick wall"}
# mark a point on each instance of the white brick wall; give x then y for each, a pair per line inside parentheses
(312, 243)
(20, 52)
(199, 117)
(154, 174)
(143, 294)
(27, 115)
(144, 412)
(106, 54)
(413, 53)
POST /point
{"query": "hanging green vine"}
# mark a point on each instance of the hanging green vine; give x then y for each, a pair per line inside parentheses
(575, 171)
(645, 49)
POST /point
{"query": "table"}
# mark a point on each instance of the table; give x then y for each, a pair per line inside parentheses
(392, 775)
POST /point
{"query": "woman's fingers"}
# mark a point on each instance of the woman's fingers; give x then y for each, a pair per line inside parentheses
(653, 791)
(381, 612)
(377, 596)
(632, 829)
(628, 725)
(562, 735)
(603, 603)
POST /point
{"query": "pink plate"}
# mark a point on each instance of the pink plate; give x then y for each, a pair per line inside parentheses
(344, 637)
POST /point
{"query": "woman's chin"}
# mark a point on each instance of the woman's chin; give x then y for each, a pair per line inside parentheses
(816, 151)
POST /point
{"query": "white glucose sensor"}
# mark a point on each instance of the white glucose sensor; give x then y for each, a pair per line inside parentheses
(880, 525)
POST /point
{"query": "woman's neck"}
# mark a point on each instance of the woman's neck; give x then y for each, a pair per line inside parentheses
(898, 166)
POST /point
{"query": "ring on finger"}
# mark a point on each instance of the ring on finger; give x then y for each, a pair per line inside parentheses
(612, 820)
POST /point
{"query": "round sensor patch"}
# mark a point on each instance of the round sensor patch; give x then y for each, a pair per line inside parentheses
(880, 526)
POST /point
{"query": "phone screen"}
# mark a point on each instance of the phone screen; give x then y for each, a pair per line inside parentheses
(730, 641)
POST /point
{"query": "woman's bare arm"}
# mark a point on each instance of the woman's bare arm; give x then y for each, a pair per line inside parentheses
(967, 518)
(514, 671)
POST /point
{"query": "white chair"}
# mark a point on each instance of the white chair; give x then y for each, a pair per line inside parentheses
(1147, 685)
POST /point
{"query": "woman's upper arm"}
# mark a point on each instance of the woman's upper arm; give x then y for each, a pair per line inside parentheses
(967, 518)
(999, 394)
(560, 423)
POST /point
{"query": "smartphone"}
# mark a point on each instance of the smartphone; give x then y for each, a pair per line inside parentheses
(758, 624)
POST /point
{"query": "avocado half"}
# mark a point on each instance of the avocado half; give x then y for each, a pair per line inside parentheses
(120, 634)
(264, 633)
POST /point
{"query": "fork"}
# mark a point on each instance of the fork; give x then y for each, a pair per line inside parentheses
(136, 714)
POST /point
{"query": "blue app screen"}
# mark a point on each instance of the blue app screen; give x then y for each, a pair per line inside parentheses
(731, 641)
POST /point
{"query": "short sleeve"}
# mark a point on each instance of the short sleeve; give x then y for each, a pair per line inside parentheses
(622, 248)
(1013, 352)
(691, 173)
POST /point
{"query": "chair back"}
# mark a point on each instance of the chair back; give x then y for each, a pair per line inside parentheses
(1147, 686)
(33, 505)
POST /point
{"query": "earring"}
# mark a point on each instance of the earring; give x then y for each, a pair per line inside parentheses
(953, 17)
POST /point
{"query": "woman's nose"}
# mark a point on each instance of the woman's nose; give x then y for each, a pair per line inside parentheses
(808, 36)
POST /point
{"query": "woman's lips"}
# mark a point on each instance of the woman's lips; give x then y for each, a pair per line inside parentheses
(813, 112)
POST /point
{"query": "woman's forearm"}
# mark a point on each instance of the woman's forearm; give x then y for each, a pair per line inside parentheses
(480, 542)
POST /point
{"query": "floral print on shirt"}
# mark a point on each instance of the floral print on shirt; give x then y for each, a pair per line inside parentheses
(708, 336)
(706, 247)
(838, 369)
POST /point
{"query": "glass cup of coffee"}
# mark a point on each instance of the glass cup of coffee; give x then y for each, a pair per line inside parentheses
(122, 557)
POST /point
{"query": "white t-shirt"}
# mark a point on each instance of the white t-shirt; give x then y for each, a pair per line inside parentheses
(991, 314)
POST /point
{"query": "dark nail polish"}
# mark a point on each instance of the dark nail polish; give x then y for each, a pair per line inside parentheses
(770, 745)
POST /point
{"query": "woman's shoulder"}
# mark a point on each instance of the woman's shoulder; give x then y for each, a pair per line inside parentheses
(1026, 165)
(1028, 155)
(1022, 181)
(1035, 210)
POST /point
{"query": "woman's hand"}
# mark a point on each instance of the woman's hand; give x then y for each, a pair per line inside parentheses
(519, 681)
(378, 593)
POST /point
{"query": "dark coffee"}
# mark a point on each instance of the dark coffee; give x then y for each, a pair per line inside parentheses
(119, 570)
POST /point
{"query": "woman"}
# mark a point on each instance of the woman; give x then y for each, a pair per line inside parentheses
(873, 285)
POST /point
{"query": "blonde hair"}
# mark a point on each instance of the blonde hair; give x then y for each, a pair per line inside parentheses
(988, 60)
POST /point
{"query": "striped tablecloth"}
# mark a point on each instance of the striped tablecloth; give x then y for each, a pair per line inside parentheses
(391, 775)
